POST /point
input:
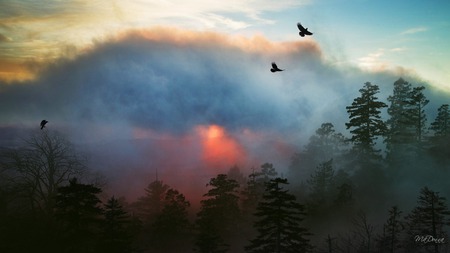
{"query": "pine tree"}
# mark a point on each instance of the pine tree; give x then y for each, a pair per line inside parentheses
(78, 211)
(429, 218)
(441, 125)
(254, 189)
(279, 228)
(365, 121)
(77, 204)
(398, 134)
(251, 195)
(416, 113)
(235, 173)
(117, 236)
(322, 187)
(218, 216)
(148, 207)
(324, 145)
(172, 224)
(441, 136)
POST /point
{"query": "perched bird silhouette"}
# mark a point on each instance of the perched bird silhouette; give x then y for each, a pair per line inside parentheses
(303, 31)
(43, 122)
(275, 68)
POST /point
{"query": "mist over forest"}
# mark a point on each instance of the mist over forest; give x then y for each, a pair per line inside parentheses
(161, 144)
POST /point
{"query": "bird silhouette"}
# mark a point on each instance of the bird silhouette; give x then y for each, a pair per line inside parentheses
(275, 68)
(303, 31)
(43, 122)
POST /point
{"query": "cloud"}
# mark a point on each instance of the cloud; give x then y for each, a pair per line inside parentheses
(13, 71)
(215, 21)
(398, 49)
(144, 99)
(380, 61)
(374, 61)
(168, 81)
(36, 27)
(3, 38)
(172, 80)
(414, 30)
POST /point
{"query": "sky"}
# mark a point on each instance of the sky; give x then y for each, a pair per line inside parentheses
(184, 86)
(370, 34)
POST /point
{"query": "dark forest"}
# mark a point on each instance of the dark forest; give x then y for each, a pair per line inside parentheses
(379, 187)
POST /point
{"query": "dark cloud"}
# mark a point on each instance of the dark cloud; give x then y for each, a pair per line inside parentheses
(168, 83)
(158, 85)
(173, 82)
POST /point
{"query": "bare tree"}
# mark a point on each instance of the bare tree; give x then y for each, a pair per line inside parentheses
(45, 162)
(363, 231)
(345, 243)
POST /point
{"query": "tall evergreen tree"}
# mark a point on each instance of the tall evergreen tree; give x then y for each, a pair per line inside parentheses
(148, 207)
(366, 126)
(429, 218)
(172, 224)
(255, 187)
(218, 216)
(117, 235)
(365, 121)
(279, 222)
(416, 113)
(324, 145)
(440, 139)
(252, 194)
(398, 134)
(441, 125)
(235, 173)
(78, 210)
(322, 188)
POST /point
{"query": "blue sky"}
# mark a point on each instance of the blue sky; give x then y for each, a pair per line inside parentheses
(380, 34)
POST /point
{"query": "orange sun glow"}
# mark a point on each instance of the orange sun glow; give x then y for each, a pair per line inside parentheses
(219, 149)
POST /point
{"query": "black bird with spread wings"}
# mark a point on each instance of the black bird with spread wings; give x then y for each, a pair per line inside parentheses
(275, 68)
(303, 31)
(43, 122)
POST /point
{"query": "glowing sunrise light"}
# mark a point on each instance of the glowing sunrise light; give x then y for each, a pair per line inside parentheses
(219, 148)
(215, 131)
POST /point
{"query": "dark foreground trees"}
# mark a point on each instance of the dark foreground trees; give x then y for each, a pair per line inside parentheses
(279, 228)
(117, 228)
(34, 172)
(172, 224)
(342, 181)
(390, 238)
(218, 217)
(148, 207)
(428, 220)
(78, 213)
(30, 176)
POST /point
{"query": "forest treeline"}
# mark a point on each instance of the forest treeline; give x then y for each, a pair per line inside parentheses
(341, 194)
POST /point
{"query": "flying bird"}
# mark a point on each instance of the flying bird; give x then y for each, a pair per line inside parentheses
(275, 68)
(303, 31)
(43, 122)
